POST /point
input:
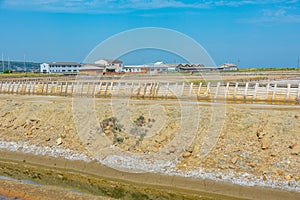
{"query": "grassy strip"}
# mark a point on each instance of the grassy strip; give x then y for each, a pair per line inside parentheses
(19, 75)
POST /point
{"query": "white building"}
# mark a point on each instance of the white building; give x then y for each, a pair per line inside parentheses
(111, 64)
(134, 68)
(60, 67)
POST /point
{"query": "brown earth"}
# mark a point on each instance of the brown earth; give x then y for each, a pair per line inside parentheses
(13, 189)
(259, 140)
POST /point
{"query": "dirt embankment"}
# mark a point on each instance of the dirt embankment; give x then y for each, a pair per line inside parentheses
(257, 145)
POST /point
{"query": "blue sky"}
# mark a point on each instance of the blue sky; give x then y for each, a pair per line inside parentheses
(258, 33)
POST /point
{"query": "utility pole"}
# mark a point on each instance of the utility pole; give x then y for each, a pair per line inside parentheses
(298, 63)
(238, 62)
(8, 63)
(24, 63)
(2, 64)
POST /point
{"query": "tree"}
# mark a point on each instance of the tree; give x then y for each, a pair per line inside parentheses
(7, 71)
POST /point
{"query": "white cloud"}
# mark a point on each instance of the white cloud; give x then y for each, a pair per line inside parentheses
(275, 16)
(116, 6)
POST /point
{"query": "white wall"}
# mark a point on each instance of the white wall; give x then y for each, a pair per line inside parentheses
(44, 68)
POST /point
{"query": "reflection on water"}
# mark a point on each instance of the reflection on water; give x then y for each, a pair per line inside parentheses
(7, 198)
(22, 181)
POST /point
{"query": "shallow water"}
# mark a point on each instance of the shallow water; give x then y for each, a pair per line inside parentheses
(7, 198)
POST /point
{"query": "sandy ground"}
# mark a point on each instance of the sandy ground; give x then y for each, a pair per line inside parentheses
(257, 145)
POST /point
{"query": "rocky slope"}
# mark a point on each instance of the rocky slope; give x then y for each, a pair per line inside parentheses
(256, 144)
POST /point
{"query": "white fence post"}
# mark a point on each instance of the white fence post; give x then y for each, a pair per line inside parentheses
(288, 92)
(246, 91)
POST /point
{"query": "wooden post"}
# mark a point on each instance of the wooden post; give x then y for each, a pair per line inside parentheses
(199, 89)
(81, 88)
(176, 87)
(9, 86)
(25, 88)
(268, 88)
(12, 87)
(33, 87)
(150, 91)
(94, 88)
(157, 89)
(18, 85)
(72, 88)
(298, 94)
(55, 87)
(125, 88)
(145, 90)
(226, 90)
(43, 85)
(118, 88)
(138, 90)
(207, 90)
(111, 87)
(1, 85)
(29, 88)
(131, 88)
(182, 91)
(168, 88)
(50, 85)
(106, 88)
(153, 89)
(235, 90)
(191, 89)
(47, 87)
(274, 92)
(217, 90)
(88, 89)
(66, 89)
(255, 91)
(100, 87)
(246, 91)
(288, 92)
(61, 88)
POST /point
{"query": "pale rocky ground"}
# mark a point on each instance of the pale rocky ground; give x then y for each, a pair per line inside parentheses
(257, 144)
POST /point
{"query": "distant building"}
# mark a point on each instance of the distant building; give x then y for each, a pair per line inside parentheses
(60, 67)
(111, 65)
(192, 67)
(93, 69)
(102, 67)
(228, 66)
(135, 68)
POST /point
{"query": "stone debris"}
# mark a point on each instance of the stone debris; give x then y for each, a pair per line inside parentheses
(172, 149)
(186, 154)
(265, 143)
(190, 149)
(264, 178)
(293, 144)
(58, 141)
(260, 133)
(295, 150)
(234, 159)
(232, 166)
(288, 177)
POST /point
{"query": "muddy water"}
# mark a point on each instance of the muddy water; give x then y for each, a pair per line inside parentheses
(90, 184)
